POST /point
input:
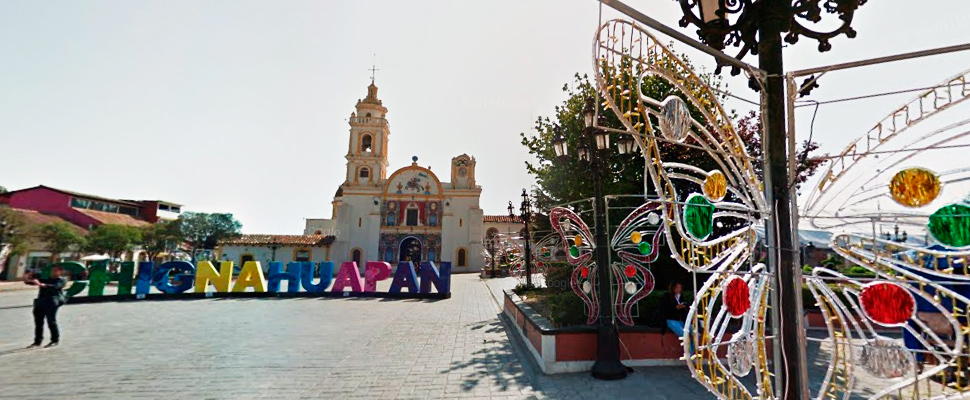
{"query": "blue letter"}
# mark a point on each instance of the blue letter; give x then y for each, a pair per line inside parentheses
(404, 277)
(291, 276)
(326, 275)
(185, 277)
(431, 275)
(143, 281)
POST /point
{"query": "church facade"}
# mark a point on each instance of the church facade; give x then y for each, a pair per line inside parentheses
(406, 215)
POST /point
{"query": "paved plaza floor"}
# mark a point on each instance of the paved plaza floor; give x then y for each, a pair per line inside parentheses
(296, 348)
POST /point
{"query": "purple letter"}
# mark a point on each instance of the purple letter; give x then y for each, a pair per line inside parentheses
(347, 276)
(373, 272)
(431, 275)
(404, 277)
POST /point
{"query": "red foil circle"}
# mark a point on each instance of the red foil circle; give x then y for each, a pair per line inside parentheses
(887, 303)
(737, 297)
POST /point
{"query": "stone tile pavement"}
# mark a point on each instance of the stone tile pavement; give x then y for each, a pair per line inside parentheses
(299, 348)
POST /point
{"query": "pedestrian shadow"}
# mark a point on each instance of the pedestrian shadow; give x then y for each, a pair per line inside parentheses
(14, 351)
(15, 307)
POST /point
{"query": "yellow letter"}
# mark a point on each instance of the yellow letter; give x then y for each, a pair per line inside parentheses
(205, 273)
(250, 276)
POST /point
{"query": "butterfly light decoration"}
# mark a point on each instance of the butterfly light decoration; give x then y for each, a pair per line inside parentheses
(707, 216)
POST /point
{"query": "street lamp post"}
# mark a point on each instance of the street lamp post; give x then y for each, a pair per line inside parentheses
(756, 27)
(490, 245)
(274, 245)
(607, 365)
(525, 212)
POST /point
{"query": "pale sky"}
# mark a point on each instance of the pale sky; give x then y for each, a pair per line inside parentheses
(242, 106)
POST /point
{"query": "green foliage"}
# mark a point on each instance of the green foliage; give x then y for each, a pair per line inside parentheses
(16, 233)
(832, 261)
(565, 309)
(3, 190)
(558, 275)
(58, 237)
(111, 239)
(858, 272)
(560, 181)
(164, 236)
(205, 230)
(806, 270)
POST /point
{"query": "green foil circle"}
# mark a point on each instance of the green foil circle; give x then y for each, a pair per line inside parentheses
(699, 216)
(644, 248)
(574, 251)
(950, 225)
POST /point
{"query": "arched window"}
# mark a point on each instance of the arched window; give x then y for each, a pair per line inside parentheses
(355, 256)
(491, 232)
(462, 258)
(390, 218)
(366, 143)
(364, 173)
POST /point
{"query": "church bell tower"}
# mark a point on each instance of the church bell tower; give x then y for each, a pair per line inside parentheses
(367, 152)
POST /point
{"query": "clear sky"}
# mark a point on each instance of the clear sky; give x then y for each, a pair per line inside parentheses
(242, 106)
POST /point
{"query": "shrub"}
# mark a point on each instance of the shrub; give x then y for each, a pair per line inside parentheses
(557, 276)
(565, 308)
(859, 272)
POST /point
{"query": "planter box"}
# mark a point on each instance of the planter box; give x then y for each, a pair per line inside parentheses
(573, 349)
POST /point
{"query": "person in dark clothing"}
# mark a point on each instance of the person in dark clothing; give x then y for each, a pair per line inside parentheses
(50, 296)
(675, 308)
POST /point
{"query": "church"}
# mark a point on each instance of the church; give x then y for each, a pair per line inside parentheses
(406, 215)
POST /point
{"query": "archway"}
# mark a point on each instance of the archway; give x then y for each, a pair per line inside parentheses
(410, 250)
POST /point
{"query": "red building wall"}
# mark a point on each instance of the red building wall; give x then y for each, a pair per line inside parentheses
(48, 201)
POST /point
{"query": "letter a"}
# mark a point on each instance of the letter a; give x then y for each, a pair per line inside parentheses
(251, 276)
(347, 276)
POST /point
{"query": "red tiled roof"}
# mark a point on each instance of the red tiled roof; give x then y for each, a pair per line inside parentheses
(284, 240)
(33, 218)
(502, 219)
(113, 218)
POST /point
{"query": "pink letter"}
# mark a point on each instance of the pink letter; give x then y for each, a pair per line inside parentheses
(373, 272)
(348, 276)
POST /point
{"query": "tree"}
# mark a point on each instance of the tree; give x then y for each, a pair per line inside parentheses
(562, 181)
(58, 237)
(113, 240)
(164, 236)
(3, 190)
(203, 230)
(15, 236)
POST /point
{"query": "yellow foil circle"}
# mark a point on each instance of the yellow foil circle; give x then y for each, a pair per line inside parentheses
(914, 187)
(578, 240)
(715, 186)
(635, 237)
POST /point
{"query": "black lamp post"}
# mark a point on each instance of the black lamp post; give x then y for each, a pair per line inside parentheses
(525, 212)
(274, 244)
(756, 27)
(490, 245)
(895, 236)
(607, 365)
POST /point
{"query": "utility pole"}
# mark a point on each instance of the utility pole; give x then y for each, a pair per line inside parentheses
(792, 378)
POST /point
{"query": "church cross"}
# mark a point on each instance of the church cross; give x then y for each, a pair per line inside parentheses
(373, 70)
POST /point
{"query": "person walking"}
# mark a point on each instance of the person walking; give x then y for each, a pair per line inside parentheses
(50, 297)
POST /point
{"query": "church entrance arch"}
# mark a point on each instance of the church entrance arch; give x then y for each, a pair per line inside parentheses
(410, 250)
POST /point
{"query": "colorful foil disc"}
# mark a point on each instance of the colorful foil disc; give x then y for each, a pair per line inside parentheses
(644, 248)
(574, 251)
(950, 225)
(578, 240)
(699, 216)
(636, 237)
(887, 303)
(630, 271)
(584, 272)
(715, 186)
(914, 187)
(737, 296)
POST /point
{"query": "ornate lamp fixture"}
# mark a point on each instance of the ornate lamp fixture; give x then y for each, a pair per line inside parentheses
(722, 23)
